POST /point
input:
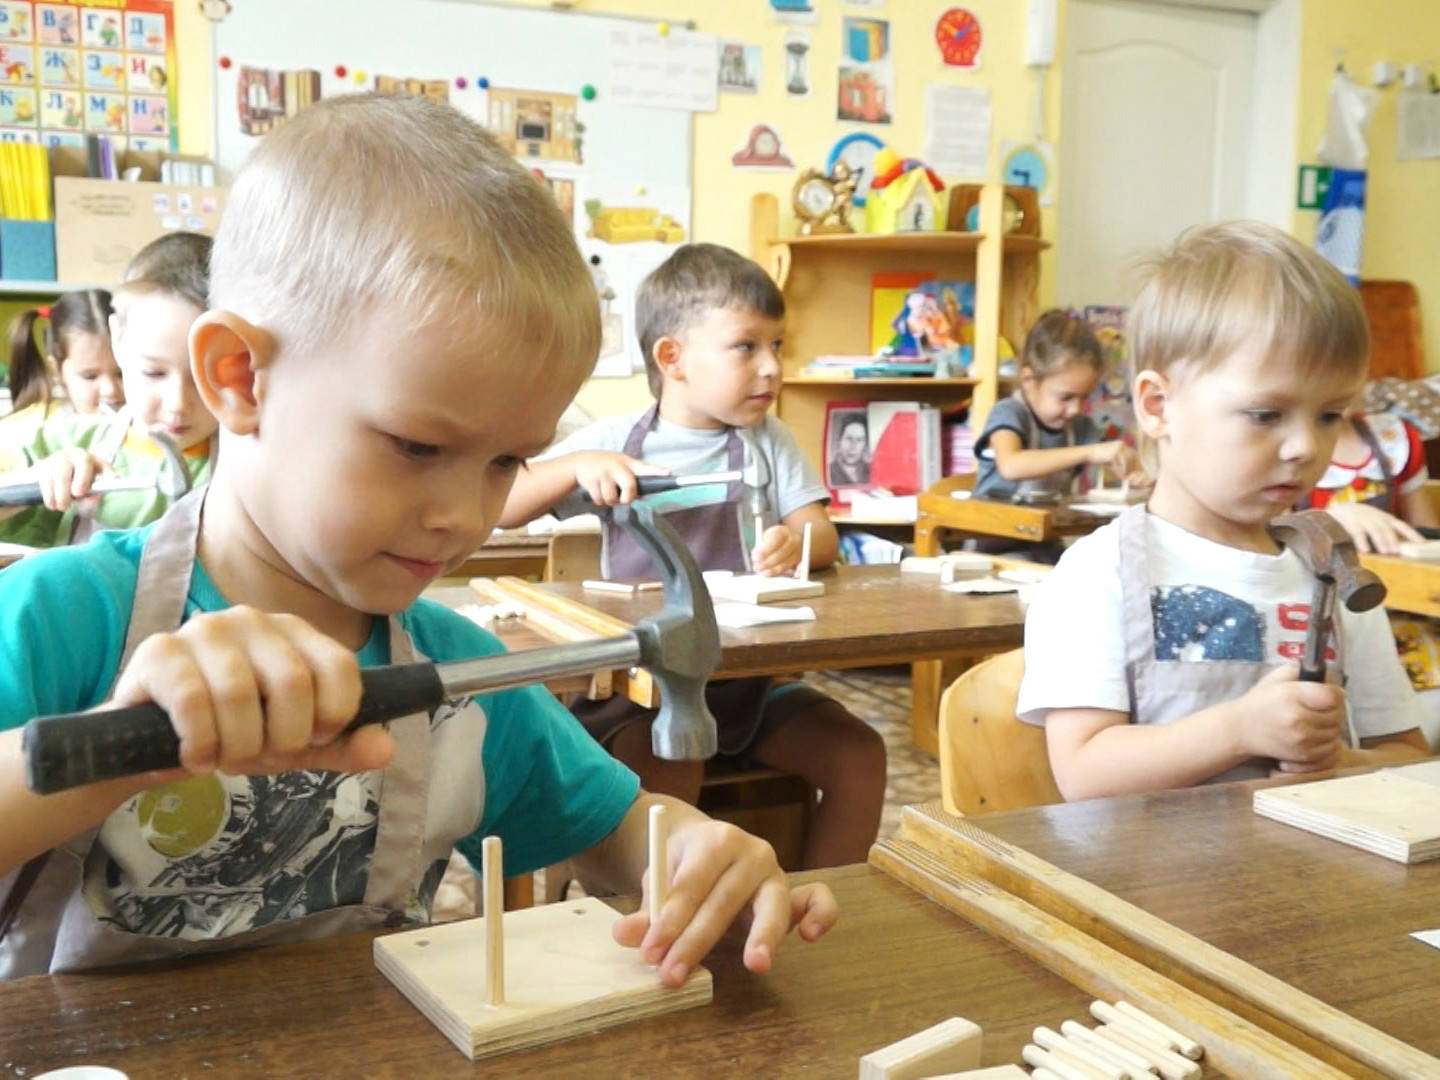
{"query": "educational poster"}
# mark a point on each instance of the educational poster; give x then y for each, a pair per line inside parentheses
(740, 67)
(867, 72)
(617, 166)
(105, 67)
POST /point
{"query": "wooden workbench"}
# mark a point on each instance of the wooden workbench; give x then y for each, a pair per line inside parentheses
(940, 512)
(1411, 585)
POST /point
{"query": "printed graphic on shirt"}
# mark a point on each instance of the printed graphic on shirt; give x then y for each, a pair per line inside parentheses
(216, 855)
(1195, 623)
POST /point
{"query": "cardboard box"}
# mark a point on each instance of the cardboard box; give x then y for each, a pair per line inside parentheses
(101, 224)
(27, 250)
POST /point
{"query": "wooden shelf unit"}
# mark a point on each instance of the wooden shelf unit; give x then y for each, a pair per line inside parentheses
(827, 285)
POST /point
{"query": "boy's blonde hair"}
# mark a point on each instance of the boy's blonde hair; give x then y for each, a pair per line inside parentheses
(362, 200)
(1244, 284)
(695, 280)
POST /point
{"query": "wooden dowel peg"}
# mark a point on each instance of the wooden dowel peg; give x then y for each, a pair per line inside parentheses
(1044, 1074)
(1057, 1044)
(1167, 1063)
(659, 861)
(1043, 1059)
(1135, 1066)
(803, 570)
(492, 873)
(1183, 1043)
(1109, 1014)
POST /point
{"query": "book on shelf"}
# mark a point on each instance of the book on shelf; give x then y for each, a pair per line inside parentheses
(878, 367)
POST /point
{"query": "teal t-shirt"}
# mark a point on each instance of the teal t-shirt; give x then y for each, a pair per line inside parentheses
(550, 790)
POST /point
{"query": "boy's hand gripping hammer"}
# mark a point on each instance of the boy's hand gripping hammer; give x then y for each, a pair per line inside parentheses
(172, 480)
(680, 647)
(1328, 551)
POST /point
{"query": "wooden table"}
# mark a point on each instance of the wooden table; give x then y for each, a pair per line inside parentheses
(940, 512)
(1329, 919)
(869, 615)
(896, 964)
(1411, 585)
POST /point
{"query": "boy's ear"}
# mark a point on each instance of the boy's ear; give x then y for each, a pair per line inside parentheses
(666, 353)
(230, 360)
(1150, 394)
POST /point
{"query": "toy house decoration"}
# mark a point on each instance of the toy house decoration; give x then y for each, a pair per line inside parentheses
(905, 196)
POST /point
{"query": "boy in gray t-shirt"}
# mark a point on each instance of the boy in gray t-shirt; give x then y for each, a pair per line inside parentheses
(710, 325)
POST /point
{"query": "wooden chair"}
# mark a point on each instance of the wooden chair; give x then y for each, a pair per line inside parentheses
(989, 760)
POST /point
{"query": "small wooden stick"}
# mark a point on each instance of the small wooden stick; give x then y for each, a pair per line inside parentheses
(1044, 1074)
(492, 873)
(1043, 1059)
(1110, 1014)
(1136, 1066)
(802, 572)
(1059, 1045)
(659, 862)
(1186, 1045)
(1167, 1063)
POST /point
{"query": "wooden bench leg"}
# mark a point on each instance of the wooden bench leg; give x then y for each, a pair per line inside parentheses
(519, 892)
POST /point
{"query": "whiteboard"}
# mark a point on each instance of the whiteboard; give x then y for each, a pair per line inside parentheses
(630, 156)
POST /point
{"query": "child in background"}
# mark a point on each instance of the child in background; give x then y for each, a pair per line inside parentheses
(1375, 483)
(163, 293)
(1035, 442)
(76, 354)
(710, 323)
(374, 408)
(1161, 652)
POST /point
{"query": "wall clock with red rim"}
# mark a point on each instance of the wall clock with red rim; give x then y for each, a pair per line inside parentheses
(958, 34)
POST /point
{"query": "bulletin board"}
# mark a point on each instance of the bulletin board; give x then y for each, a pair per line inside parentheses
(102, 67)
(621, 172)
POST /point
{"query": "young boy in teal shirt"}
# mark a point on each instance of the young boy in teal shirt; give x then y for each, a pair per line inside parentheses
(361, 358)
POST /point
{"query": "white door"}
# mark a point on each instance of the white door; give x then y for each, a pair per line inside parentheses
(1154, 135)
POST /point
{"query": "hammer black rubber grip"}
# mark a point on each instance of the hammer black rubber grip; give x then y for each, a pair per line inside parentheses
(21, 495)
(66, 751)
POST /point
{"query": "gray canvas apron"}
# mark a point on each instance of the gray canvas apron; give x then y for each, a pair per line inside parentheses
(713, 535)
(1163, 691)
(55, 928)
(1056, 483)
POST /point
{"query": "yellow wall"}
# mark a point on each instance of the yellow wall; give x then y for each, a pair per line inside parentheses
(1402, 217)
(807, 126)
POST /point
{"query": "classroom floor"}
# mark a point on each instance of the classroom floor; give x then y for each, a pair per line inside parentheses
(879, 696)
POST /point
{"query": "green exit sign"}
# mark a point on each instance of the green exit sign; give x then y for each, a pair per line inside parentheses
(1313, 184)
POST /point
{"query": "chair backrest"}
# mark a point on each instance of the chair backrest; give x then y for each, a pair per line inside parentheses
(574, 556)
(1397, 347)
(990, 760)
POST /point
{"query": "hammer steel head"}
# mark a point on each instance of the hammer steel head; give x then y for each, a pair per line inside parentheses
(680, 646)
(173, 480)
(756, 478)
(1327, 549)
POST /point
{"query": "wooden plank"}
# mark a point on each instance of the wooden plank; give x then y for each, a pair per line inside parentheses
(760, 589)
(638, 685)
(566, 976)
(1241, 988)
(1231, 1042)
(951, 1044)
(1391, 812)
(1410, 584)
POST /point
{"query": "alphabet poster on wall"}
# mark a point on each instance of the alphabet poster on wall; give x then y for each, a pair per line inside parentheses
(103, 67)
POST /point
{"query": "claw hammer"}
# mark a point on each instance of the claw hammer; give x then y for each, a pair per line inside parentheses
(680, 647)
(172, 481)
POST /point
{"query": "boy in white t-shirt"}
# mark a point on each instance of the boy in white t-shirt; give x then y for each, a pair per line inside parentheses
(1248, 350)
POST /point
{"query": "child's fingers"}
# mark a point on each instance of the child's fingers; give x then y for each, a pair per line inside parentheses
(287, 690)
(334, 673)
(83, 476)
(364, 750)
(721, 905)
(644, 468)
(769, 923)
(813, 910)
(164, 670)
(234, 696)
(55, 477)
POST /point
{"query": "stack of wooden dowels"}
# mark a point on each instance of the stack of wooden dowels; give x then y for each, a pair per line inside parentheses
(1128, 1045)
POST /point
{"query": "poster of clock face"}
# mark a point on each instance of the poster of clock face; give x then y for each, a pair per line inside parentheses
(103, 67)
(958, 35)
(1027, 164)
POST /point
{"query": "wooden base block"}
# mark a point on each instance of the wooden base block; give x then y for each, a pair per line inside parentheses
(565, 976)
(949, 1045)
(994, 1072)
(758, 589)
(1394, 812)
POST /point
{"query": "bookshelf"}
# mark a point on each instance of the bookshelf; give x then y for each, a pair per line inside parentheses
(827, 285)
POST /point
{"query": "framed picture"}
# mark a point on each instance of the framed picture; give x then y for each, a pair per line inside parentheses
(847, 449)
